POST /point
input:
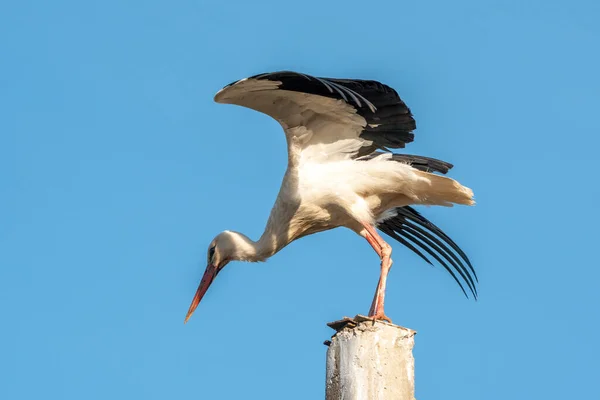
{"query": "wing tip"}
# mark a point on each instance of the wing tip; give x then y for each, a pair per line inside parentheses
(219, 96)
(229, 93)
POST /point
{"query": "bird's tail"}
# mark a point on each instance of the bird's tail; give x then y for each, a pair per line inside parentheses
(443, 191)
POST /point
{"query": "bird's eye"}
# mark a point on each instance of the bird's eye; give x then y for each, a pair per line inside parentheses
(211, 253)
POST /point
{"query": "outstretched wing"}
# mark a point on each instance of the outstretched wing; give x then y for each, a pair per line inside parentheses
(367, 115)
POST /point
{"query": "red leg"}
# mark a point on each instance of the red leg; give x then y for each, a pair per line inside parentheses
(384, 251)
(377, 247)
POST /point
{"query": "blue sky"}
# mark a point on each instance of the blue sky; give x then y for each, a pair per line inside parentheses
(117, 170)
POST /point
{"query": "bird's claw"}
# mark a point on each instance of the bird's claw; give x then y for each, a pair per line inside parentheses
(380, 317)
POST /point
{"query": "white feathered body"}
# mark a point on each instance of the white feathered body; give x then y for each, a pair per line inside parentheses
(325, 188)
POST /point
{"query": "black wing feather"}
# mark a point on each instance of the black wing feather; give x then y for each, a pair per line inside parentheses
(414, 215)
(432, 242)
(421, 163)
(442, 250)
(424, 246)
(393, 234)
(410, 225)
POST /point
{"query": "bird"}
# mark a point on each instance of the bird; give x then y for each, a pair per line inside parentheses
(343, 171)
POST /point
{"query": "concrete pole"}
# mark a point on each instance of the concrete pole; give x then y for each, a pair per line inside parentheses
(369, 360)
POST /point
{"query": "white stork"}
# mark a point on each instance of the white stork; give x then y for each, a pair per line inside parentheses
(341, 173)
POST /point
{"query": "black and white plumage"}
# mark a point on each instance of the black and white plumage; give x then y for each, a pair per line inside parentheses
(342, 172)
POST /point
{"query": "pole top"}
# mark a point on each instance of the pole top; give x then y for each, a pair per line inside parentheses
(351, 323)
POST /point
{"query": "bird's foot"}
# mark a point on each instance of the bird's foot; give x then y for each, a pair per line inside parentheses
(380, 317)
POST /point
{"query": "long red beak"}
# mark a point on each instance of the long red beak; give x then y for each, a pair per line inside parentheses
(209, 276)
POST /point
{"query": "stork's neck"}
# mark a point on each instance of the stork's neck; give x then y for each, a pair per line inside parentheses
(278, 232)
(248, 250)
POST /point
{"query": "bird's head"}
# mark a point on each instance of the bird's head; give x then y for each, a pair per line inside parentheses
(226, 247)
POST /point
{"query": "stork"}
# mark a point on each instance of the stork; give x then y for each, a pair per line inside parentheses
(342, 173)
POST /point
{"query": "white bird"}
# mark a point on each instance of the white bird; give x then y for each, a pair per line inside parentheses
(342, 173)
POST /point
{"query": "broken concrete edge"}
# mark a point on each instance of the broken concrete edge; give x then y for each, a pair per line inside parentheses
(351, 323)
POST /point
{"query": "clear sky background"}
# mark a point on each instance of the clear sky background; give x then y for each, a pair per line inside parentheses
(117, 170)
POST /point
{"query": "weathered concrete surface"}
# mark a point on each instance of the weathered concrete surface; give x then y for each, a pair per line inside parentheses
(369, 360)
